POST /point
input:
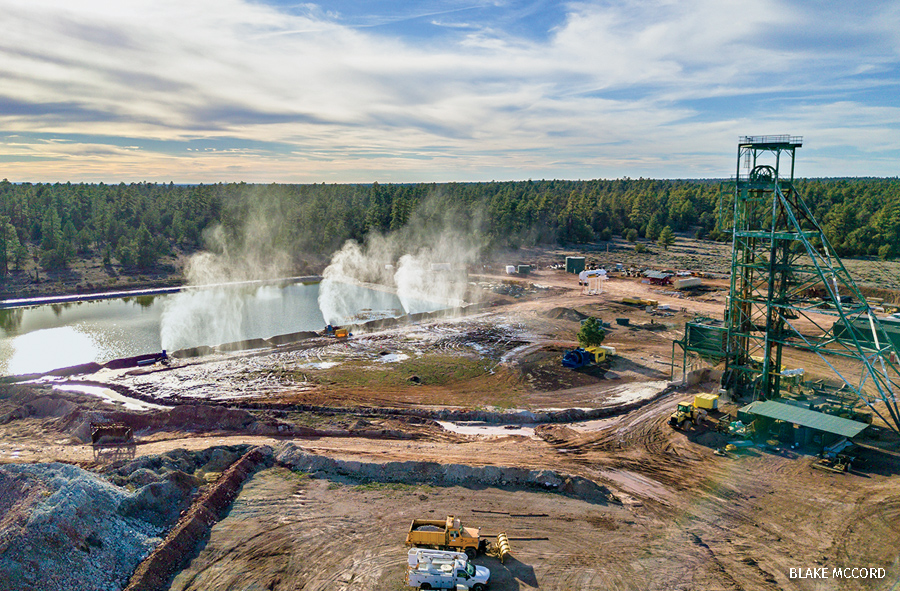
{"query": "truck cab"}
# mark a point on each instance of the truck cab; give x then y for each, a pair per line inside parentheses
(682, 414)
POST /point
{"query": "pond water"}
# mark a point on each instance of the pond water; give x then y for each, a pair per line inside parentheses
(40, 338)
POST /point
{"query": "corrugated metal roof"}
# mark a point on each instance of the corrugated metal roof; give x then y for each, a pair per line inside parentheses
(807, 418)
(656, 275)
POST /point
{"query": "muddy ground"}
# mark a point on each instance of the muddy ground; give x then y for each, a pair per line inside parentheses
(674, 515)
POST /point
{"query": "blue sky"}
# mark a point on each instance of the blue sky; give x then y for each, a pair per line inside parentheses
(441, 90)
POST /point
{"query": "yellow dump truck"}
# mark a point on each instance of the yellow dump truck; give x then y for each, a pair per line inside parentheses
(447, 534)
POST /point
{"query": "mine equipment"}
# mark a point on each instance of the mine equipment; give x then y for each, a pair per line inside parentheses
(422, 553)
(503, 548)
(582, 357)
(693, 411)
(704, 339)
(117, 438)
(432, 569)
(336, 332)
(685, 413)
(448, 534)
(790, 291)
(837, 465)
(145, 360)
(836, 457)
(632, 301)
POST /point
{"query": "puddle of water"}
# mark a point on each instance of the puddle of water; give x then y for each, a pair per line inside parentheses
(394, 357)
(488, 430)
(514, 352)
(111, 396)
(320, 365)
(35, 339)
(479, 348)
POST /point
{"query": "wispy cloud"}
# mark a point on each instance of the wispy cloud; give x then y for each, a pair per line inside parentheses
(306, 94)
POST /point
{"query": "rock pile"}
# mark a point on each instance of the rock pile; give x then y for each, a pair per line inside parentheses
(296, 458)
(66, 529)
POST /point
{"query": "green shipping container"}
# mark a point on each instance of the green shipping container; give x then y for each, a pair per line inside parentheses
(574, 265)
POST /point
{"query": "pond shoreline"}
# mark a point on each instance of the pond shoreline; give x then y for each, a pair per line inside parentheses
(151, 291)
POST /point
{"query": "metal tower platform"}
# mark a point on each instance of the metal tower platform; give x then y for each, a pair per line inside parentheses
(790, 290)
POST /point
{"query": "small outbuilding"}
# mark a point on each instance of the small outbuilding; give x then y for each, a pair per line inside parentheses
(795, 424)
(658, 277)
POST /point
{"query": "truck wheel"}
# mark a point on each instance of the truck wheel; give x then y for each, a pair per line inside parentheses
(425, 586)
(477, 587)
(471, 553)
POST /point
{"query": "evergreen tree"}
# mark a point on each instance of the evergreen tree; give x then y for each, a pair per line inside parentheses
(144, 250)
(653, 229)
(51, 231)
(666, 238)
(4, 253)
(591, 333)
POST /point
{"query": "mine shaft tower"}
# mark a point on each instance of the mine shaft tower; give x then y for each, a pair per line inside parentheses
(790, 290)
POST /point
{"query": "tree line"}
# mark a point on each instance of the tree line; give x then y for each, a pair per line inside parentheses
(136, 224)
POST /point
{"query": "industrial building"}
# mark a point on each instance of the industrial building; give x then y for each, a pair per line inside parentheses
(792, 424)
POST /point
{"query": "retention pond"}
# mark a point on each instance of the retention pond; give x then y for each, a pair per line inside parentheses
(40, 338)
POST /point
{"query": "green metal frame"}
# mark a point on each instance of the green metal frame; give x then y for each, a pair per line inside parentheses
(785, 275)
(703, 339)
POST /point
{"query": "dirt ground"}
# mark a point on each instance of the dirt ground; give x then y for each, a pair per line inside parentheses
(677, 516)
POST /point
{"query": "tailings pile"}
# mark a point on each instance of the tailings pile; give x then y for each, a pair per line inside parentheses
(66, 529)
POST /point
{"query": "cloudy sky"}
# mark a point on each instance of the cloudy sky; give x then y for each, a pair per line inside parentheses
(441, 90)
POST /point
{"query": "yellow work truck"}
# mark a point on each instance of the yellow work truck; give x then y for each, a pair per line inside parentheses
(447, 534)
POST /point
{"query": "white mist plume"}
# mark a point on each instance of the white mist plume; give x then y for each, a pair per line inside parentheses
(215, 314)
(434, 272)
(425, 262)
(354, 264)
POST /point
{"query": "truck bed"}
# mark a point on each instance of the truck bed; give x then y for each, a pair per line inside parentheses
(430, 532)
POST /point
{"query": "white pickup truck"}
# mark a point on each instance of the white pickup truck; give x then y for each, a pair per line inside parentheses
(436, 569)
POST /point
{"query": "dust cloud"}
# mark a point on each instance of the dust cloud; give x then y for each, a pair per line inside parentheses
(214, 312)
(424, 262)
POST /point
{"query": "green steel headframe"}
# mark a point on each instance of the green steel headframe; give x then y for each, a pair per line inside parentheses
(789, 289)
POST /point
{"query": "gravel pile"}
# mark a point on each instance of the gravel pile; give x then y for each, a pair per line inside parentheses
(66, 529)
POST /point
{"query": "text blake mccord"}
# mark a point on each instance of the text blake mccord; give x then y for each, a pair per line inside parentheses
(837, 573)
